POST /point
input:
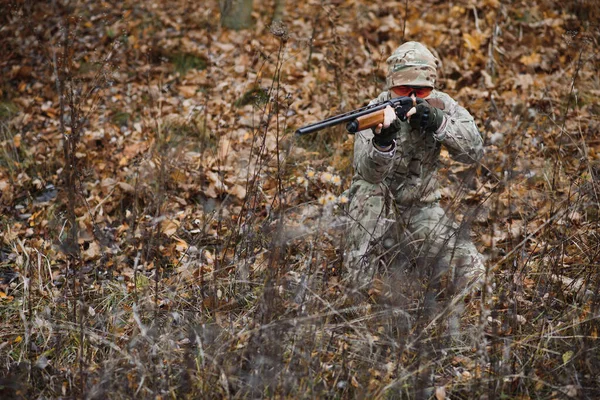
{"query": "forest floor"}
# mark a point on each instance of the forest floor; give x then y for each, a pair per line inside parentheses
(164, 234)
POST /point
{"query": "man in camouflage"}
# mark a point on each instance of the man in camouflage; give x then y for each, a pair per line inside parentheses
(394, 197)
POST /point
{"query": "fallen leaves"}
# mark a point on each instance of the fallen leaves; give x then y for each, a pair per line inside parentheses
(92, 252)
(474, 40)
(169, 227)
(531, 60)
(238, 191)
(523, 81)
(187, 91)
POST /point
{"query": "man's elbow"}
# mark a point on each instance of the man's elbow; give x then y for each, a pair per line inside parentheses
(470, 156)
(371, 177)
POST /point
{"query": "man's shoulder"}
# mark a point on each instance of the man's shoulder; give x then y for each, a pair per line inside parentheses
(445, 98)
(438, 94)
(383, 96)
(448, 101)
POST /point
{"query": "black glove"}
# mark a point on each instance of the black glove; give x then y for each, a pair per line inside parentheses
(427, 118)
(387, 135)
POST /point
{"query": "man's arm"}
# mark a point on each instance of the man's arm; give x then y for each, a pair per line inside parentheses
(458, 132)
(370, 163)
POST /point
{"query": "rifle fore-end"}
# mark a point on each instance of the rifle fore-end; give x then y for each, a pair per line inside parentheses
(370, 120)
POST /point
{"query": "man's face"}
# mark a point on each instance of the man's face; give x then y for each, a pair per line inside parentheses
(407, 91)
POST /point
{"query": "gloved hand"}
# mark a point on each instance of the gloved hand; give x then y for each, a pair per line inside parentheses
(385, 134)
(426, 117)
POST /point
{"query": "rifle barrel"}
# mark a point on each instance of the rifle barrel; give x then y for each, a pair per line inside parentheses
(338, 119)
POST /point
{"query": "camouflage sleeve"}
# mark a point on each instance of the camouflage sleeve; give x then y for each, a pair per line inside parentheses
(459, 133)
(371, 164)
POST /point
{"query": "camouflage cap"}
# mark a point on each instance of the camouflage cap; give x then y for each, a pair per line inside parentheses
(412, 64)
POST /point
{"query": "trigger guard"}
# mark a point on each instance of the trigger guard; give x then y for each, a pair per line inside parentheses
(400, 116)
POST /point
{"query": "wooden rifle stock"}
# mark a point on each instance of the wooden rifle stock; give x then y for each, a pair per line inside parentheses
(370, 120)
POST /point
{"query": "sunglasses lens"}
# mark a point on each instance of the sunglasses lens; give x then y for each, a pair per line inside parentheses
(406, 91)
(423, 92)
(402, 90)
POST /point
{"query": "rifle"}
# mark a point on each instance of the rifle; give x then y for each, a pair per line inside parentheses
(366, 117)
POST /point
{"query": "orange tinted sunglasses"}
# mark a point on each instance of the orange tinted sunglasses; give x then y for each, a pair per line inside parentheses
(403, 91)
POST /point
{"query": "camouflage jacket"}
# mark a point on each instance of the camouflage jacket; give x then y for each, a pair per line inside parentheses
(409, 169)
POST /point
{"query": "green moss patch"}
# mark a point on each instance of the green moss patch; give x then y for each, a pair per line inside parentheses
(183, 62)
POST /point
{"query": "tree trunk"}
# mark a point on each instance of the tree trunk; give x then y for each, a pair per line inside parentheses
(236, 14)
(279, 9)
